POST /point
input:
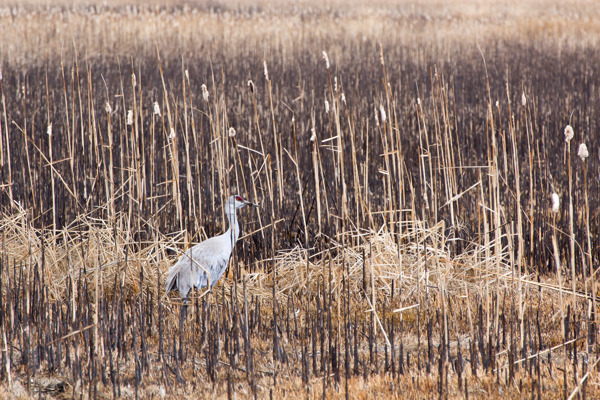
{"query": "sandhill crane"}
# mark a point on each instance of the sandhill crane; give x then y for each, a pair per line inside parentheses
(205, 263)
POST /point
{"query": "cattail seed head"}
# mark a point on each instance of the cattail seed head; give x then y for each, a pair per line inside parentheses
(555, 202)
(418, 100)
(569, 133)
(107, 107)
(266, 70)
(497, 104)
(326, 107)
(583, 152)
(172, 134)
(49, 130)
(383, 115)
(313, 135)
(523, 99)
(251, 86)
(335, 87)
(231, 132)
(133, 80)
(130, 117)
(187, 75)
(326, 58)
(204, 93)
(343, 98)
(156, 108)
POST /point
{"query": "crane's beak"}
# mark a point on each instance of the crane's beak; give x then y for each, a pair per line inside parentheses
(249, 203)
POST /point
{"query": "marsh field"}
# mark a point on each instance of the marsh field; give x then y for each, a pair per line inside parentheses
(429, 217)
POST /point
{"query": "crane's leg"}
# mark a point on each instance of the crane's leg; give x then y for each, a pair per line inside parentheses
(181, 322)
(183, 311)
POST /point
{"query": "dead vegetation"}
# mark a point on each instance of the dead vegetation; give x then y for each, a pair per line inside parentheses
(404, 157)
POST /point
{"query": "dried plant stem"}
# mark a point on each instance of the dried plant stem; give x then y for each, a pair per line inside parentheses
(571, 225)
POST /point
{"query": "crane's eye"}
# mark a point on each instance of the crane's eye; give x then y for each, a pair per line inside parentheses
(239, 198)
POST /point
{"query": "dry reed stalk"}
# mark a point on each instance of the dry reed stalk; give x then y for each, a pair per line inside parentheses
(8, 157)
(568, 137)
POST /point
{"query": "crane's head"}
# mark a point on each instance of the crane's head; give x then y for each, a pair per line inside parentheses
(236, 202)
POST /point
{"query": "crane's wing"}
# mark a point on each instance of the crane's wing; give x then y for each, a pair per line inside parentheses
(206, 260)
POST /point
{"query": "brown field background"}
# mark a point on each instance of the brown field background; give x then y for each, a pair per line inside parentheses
(405, 246)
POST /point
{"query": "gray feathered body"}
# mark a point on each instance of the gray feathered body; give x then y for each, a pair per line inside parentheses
(210, 256)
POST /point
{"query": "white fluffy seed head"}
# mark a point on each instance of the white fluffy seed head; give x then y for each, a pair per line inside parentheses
(326, 58)
(326, 107)
(107, 107)
(555, 202)
(187, 75)
(129, 117)
(266, 70)
(172, 134)
(204, 92)
(251, 86)
(523, 99)
(231, 132)
(313, 135)
(569, 133)
(133, 80)
(156, 108)
(383, 115)
(49, 130)
(497, 104)
(583, 152)
(343, 98)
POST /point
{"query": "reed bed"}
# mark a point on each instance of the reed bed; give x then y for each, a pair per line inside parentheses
(428, 215)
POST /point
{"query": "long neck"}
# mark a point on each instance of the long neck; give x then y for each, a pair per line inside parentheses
(234, 229)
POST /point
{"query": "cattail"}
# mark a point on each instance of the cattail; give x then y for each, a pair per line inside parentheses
(172, 134)
(335, 84)
(583, 152)
(107, 107)
(326, 58)
(381, 54)
(343, 98)
(49, 130)
(326, 107)
(418, 100)
(156, 108)
(569, 133)
(231, 132)
(130, 117)
(523, 99)
(204, 93)
(266, 70)
(187, 75)
(555, 202)
(251, 86)
(313, 135)
(133, 81)
(497, 104)
(382, 112)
